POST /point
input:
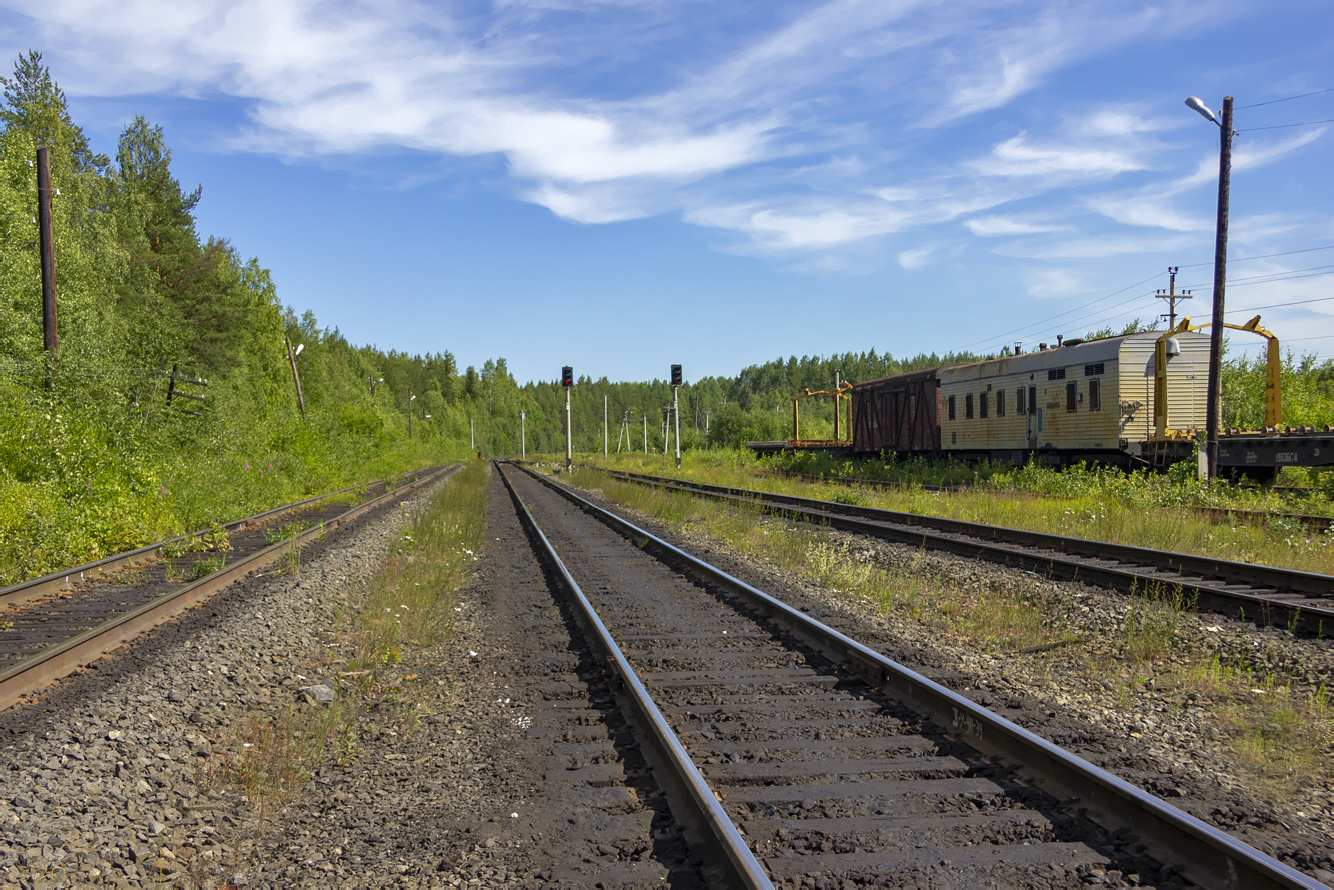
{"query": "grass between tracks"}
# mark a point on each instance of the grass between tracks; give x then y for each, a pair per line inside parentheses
(1141, 510)
(1276, 725)
(406, 607)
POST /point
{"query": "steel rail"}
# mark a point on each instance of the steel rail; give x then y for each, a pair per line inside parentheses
(65, 579)
(1004, 545)
(60, 660)
(1206, 855)
(1314, 524)
(716, 827)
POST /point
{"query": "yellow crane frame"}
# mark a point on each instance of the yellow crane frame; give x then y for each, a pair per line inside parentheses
(1273, 380)
(840, 396)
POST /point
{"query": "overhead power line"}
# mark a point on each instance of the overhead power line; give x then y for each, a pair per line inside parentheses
(1288, 275)
(1286, 99)
(1278, 305)
(1286, 126)
(1067, 312)
(1263, 256)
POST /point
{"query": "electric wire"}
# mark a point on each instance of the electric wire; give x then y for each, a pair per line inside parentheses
(1076, 309)
(1286, 126)
(1285, 99)
(1277, 305)
(1099, 316)
(1284, 272)
(1037, 324)
(1263, 256)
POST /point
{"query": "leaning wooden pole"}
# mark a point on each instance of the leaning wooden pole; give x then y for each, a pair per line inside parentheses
(46, 239)
(296, 378)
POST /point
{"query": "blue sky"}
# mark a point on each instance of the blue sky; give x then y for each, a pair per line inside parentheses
(626, 184)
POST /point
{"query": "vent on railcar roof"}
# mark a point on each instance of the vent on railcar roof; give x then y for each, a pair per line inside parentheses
(1093, 370)
(1056, 374)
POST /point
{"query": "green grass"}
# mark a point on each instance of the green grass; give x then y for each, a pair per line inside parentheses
(1101, 505)
(410, 601)
(406, 608)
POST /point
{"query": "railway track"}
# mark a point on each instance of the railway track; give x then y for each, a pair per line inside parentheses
(51, 626)
(1312, 523)
(1301, 601)
(807, 759)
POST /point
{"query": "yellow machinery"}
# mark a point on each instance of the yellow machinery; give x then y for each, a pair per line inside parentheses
(840, 397)
(1273, 382)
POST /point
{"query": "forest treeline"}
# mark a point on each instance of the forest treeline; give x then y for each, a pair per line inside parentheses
(95, 458)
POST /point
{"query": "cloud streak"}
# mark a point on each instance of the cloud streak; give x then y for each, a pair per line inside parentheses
(813, 130)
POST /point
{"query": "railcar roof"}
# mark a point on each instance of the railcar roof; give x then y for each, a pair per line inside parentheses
(1086, 352)
(908, 377)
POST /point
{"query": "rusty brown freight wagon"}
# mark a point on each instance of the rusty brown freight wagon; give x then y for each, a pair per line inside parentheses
(899, 413)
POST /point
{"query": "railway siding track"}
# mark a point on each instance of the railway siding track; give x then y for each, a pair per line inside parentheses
(829, 759)
(1313, 524)
(63, 621)
(1298, 600)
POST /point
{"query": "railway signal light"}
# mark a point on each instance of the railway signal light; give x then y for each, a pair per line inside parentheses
(676, 375)
(567, 376)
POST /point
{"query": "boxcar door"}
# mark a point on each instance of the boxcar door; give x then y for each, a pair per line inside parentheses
(1031, 418)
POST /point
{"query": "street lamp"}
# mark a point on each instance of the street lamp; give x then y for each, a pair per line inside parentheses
(1225, 135)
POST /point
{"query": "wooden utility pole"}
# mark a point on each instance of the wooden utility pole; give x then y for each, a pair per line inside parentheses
(47, 242)
(1171, 296)
(605, 431)
(296, 378)
(1220, 278)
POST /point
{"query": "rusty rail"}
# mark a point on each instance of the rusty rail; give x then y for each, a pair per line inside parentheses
(64, 658)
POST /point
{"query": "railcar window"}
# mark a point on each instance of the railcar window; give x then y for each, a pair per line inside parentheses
(1071, 396)
(983, 406)
(1000, 403)
(1095, 395)
(1093, 370)
(951, 407)
(968, 406)
(1019, 400)
(1056, 374)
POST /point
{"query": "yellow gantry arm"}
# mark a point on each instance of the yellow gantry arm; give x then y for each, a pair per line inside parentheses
(1273, 367)
(839, 397)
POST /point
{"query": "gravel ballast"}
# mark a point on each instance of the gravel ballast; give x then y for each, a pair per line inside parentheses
(105, 776)
(1172, 748)
(106, 782)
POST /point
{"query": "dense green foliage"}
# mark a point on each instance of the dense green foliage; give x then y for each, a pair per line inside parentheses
(93, 459)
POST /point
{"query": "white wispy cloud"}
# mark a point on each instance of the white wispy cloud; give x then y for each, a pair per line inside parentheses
(1047, 283)
(1097, 247)
(1017, 156)
(1005, 225)
(805, 130)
